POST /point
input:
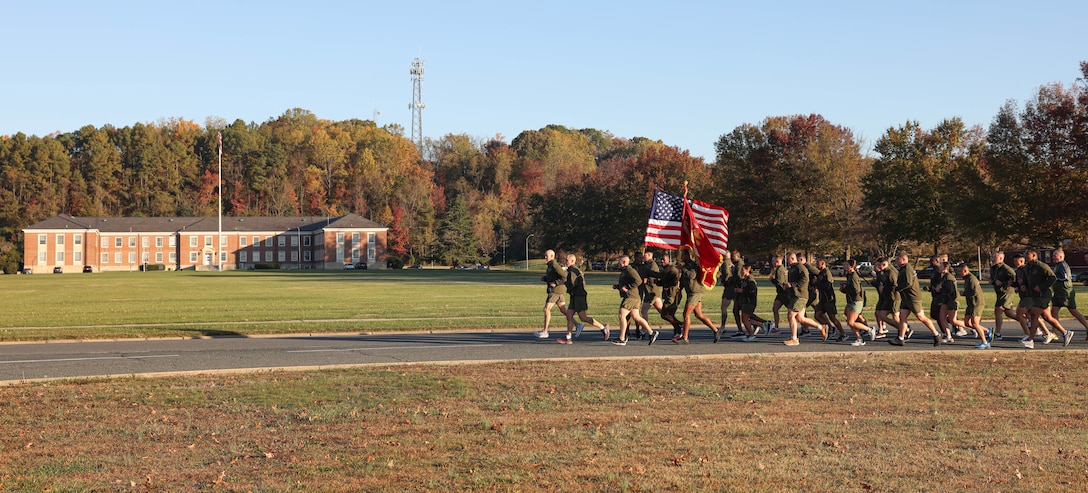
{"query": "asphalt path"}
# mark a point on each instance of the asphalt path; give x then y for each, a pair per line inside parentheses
(22, 362)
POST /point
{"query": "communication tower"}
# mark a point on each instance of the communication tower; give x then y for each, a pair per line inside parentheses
(417, 102)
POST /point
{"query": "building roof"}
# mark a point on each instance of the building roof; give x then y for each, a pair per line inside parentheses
(204, 224)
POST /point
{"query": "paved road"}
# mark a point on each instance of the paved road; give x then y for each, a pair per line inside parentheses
(23, 362)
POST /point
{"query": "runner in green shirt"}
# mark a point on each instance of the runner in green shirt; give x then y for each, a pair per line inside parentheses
(911, 302)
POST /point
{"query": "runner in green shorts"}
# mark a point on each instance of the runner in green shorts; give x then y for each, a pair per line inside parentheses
(910, 293)
(1064, 294)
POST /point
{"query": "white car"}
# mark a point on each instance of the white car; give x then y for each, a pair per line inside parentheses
(349, 266)
(865, 268)
(837, 270)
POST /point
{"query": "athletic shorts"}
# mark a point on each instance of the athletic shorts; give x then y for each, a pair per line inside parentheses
(1041, 301)
(826, 307)
(554, 298)
(797, 304)
(1004, 299)
(1025, 302)
(729, 292)
(694, 299)
(782, 297)
(746, 308)
(670, 300)
(1064, 299)
(854, 307)
(952, 304)
(631, 303)
(650, 296)
(578, 304)
(935, 307)
(972, 311)
(912, 306)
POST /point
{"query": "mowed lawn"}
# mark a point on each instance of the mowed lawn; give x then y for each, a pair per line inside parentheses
(188, 304)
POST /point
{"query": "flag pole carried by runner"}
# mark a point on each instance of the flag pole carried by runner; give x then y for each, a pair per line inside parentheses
(680, 223)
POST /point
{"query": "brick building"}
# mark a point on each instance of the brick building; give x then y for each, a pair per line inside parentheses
(110, 244)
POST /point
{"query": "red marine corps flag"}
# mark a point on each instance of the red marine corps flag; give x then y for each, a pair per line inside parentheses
(679, 223)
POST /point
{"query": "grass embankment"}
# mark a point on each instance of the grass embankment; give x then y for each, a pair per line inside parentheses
(191, 304)
(861, 422)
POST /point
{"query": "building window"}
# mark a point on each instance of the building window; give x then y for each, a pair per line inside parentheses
(305, 241)
(243, 256)
(306, 256)
(294, 241)
(60, 240)
(371, 252)
(132, 242)
(60, 257)
(294, 255)
(105, 258)
(192, 241)
(77, 240)
(340, 247)
(117, 257)
(105, 242)
(173, 241)
(207, 241)
(222, 241)
(41, 257)
(145, 241)
(243, 241)
(158, 257)
(256, 240)
(354, 254)
(41, 240)
(158, 242)
(222, 258)
(281, 240)
(117, 242)
(173, 256)
(192, 257)
(145, 257)
(77, 257)
(268, 241)
(281, 256)
(267, 256)
(131, 257)
(371, 239)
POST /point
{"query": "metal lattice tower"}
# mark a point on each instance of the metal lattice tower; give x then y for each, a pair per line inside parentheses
(417, 102)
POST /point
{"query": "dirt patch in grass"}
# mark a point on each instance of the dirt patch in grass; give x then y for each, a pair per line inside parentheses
(878, 422)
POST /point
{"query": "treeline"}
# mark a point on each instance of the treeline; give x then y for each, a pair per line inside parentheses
(798, 182)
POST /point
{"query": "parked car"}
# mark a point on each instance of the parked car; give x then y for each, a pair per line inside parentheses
(349, 266)
(926, 273)
(360, 266)
(88, 269)
(837, 270)
(598, 265)
(1082, 278)
(26, 271)
(865, 268)
(58, 270)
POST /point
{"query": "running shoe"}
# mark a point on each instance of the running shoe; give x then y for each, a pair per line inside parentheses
(1067, 338)
(541, 334)
(677, 337)
(858, 342)
(823, 333)
(564, 340)
(895, 341)
(653, 336)
(618, 342)
(990, 335)
(749, 339)
(605, 331)
(961, 333)
(739, 333)
(936, 340)
(1028, 343)
(910, 333)
(679, 340)
(775, 330)
(984, 345)
(578, 330)
(872, 333)
(717, 335)
(1049, 338)
(947, 340)
(791, 342)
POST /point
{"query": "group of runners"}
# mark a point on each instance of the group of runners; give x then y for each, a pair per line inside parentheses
(645, 283)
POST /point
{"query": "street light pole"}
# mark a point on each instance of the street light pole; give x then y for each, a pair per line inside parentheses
(527, 250)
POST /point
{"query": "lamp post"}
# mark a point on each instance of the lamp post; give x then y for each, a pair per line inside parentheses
(527, 250)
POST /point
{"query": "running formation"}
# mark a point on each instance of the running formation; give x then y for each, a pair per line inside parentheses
(1026, 291)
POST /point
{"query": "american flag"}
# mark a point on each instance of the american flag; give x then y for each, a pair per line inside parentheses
(665, 226)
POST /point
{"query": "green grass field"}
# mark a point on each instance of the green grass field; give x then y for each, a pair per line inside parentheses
(190, 304)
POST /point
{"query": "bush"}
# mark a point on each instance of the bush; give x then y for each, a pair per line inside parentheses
(267, 265)
(394, 263)
(152, 267)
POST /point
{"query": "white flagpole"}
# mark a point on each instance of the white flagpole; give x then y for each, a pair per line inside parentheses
(218, 254)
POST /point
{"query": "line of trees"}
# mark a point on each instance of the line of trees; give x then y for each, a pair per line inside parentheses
(798, 182)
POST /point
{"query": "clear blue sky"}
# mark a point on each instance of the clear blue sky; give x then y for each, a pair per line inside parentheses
(682, 72)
